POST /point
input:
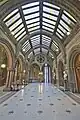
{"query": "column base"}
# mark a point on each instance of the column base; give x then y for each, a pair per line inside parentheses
(7, 89)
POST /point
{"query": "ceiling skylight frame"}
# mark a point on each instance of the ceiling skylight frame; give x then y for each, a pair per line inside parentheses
(32, 20)
(59, 35)
(10, 15)
(12, 20)
(31, 16)
(47, 29)
(19, 33)
(33, 28)
(49, 25)
(44, 50)
(33, 24)
(30, 10)
(60, 32)
(21, 36)
(66, 26)
(26, 43)
(48, 4)
(16, 31)
(30, 5)
(50, 10)
(50, 16)
(15, 25)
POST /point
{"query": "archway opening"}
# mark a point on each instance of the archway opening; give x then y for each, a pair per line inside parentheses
(3, 65)
(34, 73)
(77, 71)
(47, 73)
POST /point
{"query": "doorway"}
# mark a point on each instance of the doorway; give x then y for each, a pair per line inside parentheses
(77, 71)
(47, 73)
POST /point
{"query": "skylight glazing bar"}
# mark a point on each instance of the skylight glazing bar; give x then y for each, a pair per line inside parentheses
(28, 17)
(22, 35)
(33, 24)
(51, 5)
(30, 5)
(13, 19)
(10, 15)
(31, 10)
(15, 24)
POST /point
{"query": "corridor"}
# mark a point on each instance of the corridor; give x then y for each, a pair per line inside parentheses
(40, 101)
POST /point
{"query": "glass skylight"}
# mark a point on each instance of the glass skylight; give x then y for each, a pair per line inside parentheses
(54, 47)
(46, 42)
(25, 44)
(67, 20)
(49, 21)
(60, 32)
(49, 16)
(36, 36)
(50, 54)
(31, 10)
(13, 19)
(30, 5)
(32, 20)
(59, 35)
(32, 16)
(70, 16)
(49, 10)
(46, 24)
(44, 50)
(33, 24)
(47, 28)
(34, 28)
(65, 25)
(21, 31)
(31, 54)
(18, 28)
(46, 37)
(12, 13)
(35, 40)
(21, 36)
(51, 5)
(15, 24)
(28, 20)
(37, 51)
(60, 27)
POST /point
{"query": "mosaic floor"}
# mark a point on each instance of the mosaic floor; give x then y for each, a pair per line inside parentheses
(40, 102)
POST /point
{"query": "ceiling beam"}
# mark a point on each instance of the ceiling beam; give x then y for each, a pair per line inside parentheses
(57, 23)
(25, 25)
(41, 11)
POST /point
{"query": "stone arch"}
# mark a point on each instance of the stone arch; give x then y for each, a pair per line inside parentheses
(75, 51)
(60, 73)
(11, 58)
(34, 72)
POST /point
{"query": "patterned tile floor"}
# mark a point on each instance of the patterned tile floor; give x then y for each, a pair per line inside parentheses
(39, 102)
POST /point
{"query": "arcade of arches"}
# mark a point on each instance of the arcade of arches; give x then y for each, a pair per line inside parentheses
(40, 42)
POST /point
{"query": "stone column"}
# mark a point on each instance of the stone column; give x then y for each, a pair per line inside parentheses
(57, 77)
(9, 79)
(66, 87)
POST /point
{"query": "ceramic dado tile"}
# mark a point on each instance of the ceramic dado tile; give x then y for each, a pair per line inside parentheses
(40, 102)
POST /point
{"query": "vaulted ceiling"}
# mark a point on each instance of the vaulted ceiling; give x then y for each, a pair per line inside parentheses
(41, 20)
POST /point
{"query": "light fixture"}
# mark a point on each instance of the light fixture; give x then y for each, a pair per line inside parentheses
(24, 71)
(23, 50)
(12, 33)
(57, 50)
(3, 66)
(68, 33)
